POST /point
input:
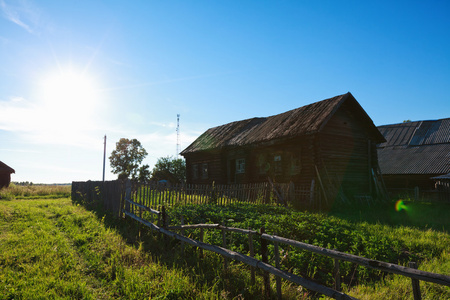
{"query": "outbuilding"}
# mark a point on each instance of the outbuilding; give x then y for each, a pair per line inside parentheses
(414, 152)
(329, 145)
(5, 175)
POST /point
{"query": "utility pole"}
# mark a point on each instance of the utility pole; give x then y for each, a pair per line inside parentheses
(104, 158)
(178, 135)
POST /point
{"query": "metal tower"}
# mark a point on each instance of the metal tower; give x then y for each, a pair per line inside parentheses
(178, 135)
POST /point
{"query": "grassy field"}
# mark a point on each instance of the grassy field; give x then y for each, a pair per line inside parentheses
(35, 191)
(52, 249)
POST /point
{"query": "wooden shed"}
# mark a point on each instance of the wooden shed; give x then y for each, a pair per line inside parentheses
(414, 152)
(330, 143)
(5, 175)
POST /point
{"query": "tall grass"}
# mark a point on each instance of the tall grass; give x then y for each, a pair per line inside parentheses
(51, 249)
(35, 191)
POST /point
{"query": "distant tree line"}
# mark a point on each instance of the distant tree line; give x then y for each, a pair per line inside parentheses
(22, 183)
(127, 157)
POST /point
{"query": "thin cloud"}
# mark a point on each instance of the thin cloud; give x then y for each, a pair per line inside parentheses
(22, 14)
(37, 125)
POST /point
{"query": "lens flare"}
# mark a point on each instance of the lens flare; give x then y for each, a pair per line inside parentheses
(399, 205)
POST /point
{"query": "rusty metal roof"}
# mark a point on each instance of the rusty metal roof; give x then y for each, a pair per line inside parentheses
(4, 168)
(307, 119)
(421, 147)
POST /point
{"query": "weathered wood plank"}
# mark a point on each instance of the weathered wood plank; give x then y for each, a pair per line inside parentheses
(249, 261)
(369, 263)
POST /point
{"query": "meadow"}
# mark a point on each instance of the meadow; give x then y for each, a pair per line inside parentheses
(35, 191)
(54, 249)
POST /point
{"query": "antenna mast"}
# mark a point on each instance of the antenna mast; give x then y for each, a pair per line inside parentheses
(104, 157)
(178, 135)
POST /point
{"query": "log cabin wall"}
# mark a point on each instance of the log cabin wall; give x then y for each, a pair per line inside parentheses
(345, 153)
(205, 167)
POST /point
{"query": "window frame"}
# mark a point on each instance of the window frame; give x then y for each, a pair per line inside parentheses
(195, 172)
(240, 166)
(205, 171)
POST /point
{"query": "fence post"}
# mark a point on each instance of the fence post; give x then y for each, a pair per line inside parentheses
(182, 233)
(265, 259)
(127, 195)
(277, 264)
(337, 275)
(201, 240)
(252, 254)
(224, 244)
(415, 283)
(164, 217)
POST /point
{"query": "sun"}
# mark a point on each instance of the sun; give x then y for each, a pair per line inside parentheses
(69, 98)
(69, 89)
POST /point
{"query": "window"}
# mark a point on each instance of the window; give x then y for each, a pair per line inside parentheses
(205, 171)
(263, 165)
(240, 165)
(296, 165)
(195, 171)
(277, 164)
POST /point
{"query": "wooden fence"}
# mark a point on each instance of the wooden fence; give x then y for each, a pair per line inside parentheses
(132, 199)
(110, 194)
(134, 210)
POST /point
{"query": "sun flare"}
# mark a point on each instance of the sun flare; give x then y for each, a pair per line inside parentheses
(69, 100)
(69, 90)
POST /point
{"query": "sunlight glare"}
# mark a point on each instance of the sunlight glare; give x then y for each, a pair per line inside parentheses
(69, 100)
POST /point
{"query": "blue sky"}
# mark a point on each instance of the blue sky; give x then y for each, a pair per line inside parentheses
(73, 71)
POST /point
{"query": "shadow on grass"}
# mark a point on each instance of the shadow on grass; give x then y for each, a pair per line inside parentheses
(206, 271)
(420, 215)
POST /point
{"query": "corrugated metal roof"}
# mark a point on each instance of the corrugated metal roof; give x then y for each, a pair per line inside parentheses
(426, 159)
(421, 147)
(301, 121)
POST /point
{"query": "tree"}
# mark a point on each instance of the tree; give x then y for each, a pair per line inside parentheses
(144, 173)
(170, 169)
(127, 157)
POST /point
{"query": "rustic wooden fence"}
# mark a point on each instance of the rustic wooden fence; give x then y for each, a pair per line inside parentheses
(110, 194)
(135, 211)
(132, 199)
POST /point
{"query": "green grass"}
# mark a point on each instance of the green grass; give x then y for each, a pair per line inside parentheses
(35, 191)
(52, 249)
(420, 215)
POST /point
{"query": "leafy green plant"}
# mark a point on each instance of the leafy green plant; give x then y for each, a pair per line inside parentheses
(397, 245)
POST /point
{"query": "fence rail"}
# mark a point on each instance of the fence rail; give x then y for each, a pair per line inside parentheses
(110, 194)
(132, 198)
(411, 272)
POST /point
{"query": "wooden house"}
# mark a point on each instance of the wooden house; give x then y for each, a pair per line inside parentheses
(414, 152)
(330, 144)
(5, 175)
